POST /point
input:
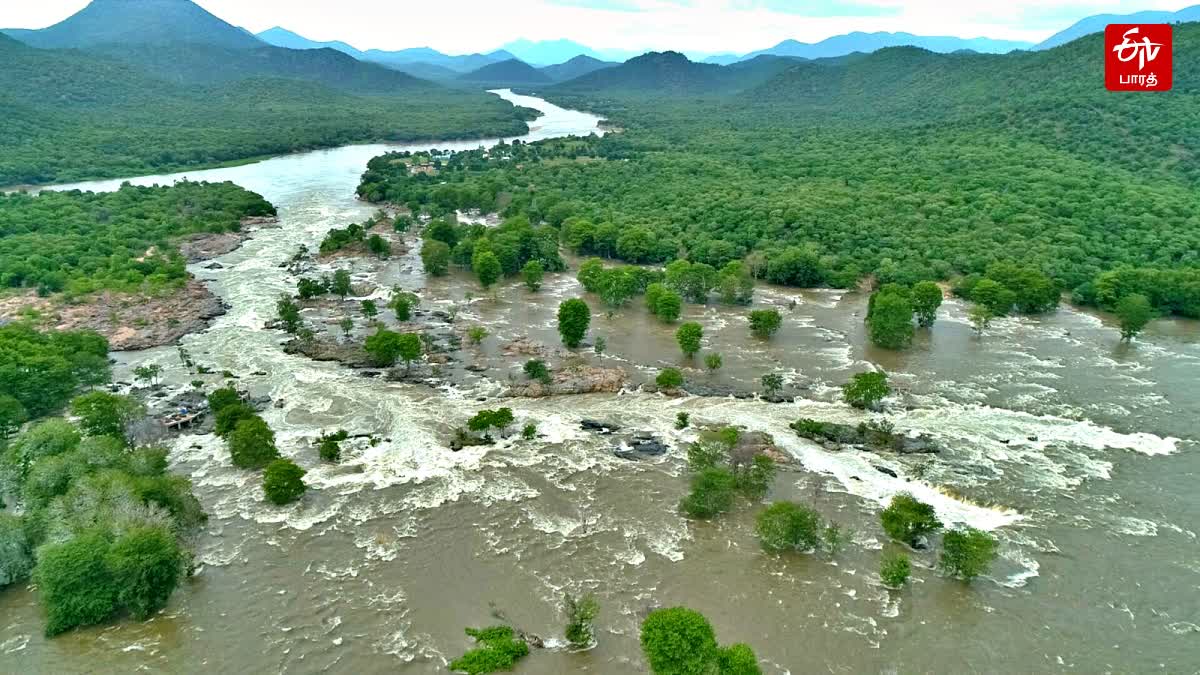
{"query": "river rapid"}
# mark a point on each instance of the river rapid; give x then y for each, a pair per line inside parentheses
(1078, 452)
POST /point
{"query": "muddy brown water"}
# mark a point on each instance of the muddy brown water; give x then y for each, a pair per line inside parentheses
(1078, 452)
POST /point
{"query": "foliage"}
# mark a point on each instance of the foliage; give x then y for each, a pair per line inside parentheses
(12, 415)
(384, 347)
(574, 316)
(221, 398)
(252, 443)
(669, 378)
(926, 299)
(435, 255)
(402, 303)
(500, 651)
(682, 420)
(967, 553)
(104, 414)
(907, 519)
(229, 416)
(42, 370)
(765, 322)
(146, 564)
(283, 481)
(409, 349)
(535, 369)
(786, 526)
(713, 361)
(75, 584)
(476, 334)
(889, 317)
(980, 317)
(738, 659)
(581, 612)
(679, 641)
(485, 420)
(599, 345)
(772, 383)
(533, 272)
(688, 336)
(369, 309)
(1134, 312)
(288, 313)
(307, 289)
(340, 284)
(866, 390)
(340, 238)
(529, 431)
(664, 302)
(329, 446)
(712, 493)
(16, 556)
(487, 267)
(894, 570)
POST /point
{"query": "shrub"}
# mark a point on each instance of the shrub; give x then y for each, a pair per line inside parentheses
(252, 444)
(435, 255)
(866, 390)
(688, 336)
(476, 334)
(894, 570)
(889, 318)
(104, 414)
(229, 416)
(75, 584)
(283, 481)
(737, 659)
(146, 564)
(772, 382)
(222, 398)
(907, 519)
(754, 478)
(16, 558)
(529, 431)
(713, 361)
(500, 651)
(533, 272)
(682, 420)
(765, 322)
(679, 641)
(926, 299)
(786, 526)
(1134, 312)
(669, 378)
(580, 614)
(712, 493)
(535, 369)
(967, 553)
(574, 316)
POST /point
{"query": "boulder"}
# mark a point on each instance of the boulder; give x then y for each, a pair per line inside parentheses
(598, 426)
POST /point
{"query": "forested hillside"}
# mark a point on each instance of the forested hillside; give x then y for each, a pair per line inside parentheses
(903, 165)
(71, 115)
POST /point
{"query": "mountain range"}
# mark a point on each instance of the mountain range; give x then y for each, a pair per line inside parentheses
(1096, 24)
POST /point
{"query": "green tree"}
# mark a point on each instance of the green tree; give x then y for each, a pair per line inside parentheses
(252, 444)
(591, 272)
(75, 583)
(926, 299)
(435, 256)
(600, 344)
(712, 493)
(402, 303)
(688, 336)
(104, 414)
(668, 306)
(16, 555)
(501, 649)
(679, 641)
(785, 526)
(713, 361)
(409, 349)
(535, 369)
(533, 273)
(146, 564)
(369, 309)
(669, 378)
(772, 383)
(229, 416)
(738, 659)
(889, 319)
(1134, 312)
(574, 316)
(967, 553)
(866, 390)
(993, 295)
(379, 246)
(308, 289)
(384, 347)
(341, 285)
(765, 322)
(894, 570)
(908, 519)
(487, 267)
(221, 398)
(980, 317)
(289, 314)
(581, 612)
(283, 481)
(736, 284)
(12, 416)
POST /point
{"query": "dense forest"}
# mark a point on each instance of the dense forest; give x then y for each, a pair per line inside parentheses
(837, 165)
(73, 115)
(80, 242)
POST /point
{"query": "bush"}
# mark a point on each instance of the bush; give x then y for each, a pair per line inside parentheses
(669, 378)
(104, 414)
(894, 570)
(146, 564)
(535, 369)
(688, 336)
(476, 334)
(75, 584)
(679, 641)
(737, 659)
(16, 558)
(329, 446)
(907, 519)
(713, 361)
(866, 390)
(252, 444)
(529, 431)
(574, 316)
(580, 614)
(222, 398)
(229, 416)
(926, 299)
(283, 481)
(712, 494)
(889, 318)
(967, 553)
(765, 322)
(682, 420)
(1133, 312)
(533, 272)
(500, 651)
(785, 526)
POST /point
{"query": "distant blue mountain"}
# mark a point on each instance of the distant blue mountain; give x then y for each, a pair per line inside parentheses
(1096, 24)
(282, 37)
(841, 45)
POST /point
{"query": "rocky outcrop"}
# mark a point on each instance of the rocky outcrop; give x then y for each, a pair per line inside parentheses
(523, 346)
(349, 354)
(574, 380)
(880, 436)
(208, 245)
(641, 445)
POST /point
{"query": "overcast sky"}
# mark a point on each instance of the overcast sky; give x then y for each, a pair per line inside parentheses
(463, 26)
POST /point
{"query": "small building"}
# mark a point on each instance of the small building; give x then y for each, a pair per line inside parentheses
(425, 168)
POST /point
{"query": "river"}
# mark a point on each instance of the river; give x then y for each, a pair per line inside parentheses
(1077, 451)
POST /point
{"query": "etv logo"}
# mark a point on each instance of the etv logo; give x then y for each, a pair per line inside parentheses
(1137, 57)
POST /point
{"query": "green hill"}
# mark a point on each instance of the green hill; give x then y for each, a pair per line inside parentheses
(509, 72)
(130, 22)
(576, 67)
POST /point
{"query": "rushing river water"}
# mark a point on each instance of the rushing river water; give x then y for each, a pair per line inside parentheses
(1077, 451)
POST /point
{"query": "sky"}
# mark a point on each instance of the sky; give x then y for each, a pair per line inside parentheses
(695, 26)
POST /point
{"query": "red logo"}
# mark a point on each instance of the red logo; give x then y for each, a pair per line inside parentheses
(1137, 57)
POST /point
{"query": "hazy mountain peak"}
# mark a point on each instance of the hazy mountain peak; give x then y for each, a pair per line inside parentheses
(136, 22)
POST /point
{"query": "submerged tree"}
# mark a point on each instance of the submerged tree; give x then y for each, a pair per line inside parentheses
(688, 336)
(907, 519)
(574, 316)
(866, 390)
(1134, 312)
(967, 553)
(581, 612)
